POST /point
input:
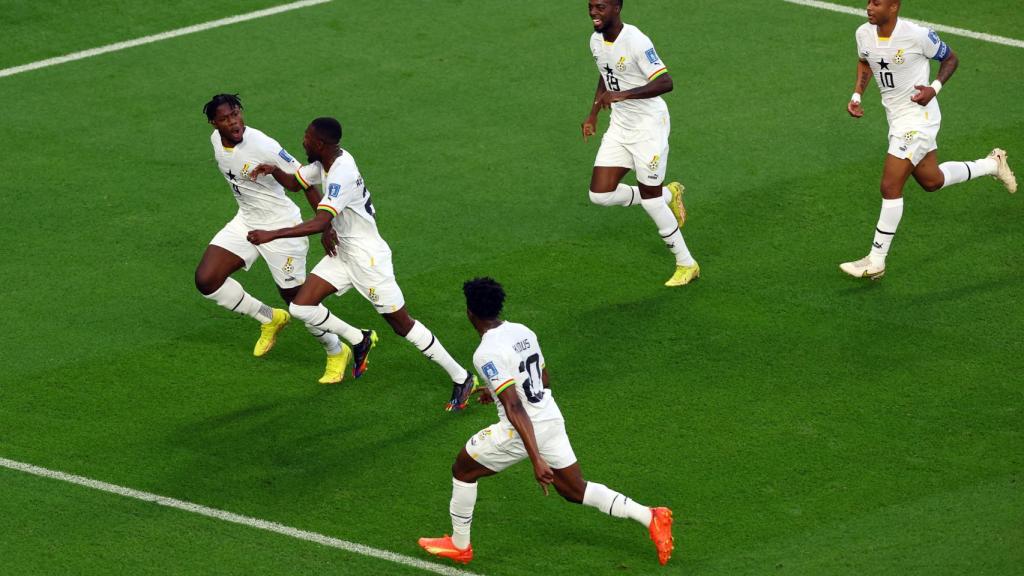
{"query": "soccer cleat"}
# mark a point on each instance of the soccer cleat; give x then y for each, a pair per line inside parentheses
(676, 202)
(661, 533)
(268, 332)
(335, 370)
(863, 268)
(684, 275)
(361, 351)
(445, 548)
(461, 391)
(1003, 172)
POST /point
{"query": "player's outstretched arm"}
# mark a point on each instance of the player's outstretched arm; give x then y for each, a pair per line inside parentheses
(289, 181)
(521, 422)
(946, 69)
(863, 77)
(319, 223)
(590, 124)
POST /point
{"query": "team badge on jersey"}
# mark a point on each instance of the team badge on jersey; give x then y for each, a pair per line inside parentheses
(898, 58)
(654, 163)
(246, 167)
(373, 296)
(285, 155)
(289, 266)
(652, 56)
(490, 371)
(621, 64)
(334, 190)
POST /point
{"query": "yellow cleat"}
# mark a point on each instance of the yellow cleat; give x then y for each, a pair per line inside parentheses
(684, 275)
(335, 370)
(269, 331)
(676, 202)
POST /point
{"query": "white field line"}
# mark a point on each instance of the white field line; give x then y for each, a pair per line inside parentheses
(158, 37)
(236, 519)
(937, 27)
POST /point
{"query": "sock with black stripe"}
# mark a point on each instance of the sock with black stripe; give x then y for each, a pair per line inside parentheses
(885, 230)
(668, 228)
(611, 502)
(957, 172)
(424, 341)
(232, 296)
(320, 318)
(461, 510)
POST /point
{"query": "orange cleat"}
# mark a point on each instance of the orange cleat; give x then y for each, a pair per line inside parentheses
(661, 533)
(445, 548)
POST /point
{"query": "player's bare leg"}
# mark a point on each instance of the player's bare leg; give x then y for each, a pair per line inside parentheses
(570, 485)
(895, 173)
(213, 280)
(457, 547)
(934, 176)
(424, 340)
(307, 306)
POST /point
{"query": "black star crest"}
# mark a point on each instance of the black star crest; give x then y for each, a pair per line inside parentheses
(231, 175)
(608, 68)
(883, 64)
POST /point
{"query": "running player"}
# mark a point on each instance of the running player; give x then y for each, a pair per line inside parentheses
(262, 203)
(896, 53)
(530, 425)
(363, 258)
(631, 80)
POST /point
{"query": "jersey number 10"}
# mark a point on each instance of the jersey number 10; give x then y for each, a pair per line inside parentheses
(532, 370)
(885, 79)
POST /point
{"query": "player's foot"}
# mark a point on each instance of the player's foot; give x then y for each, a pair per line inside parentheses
(1003, 172)
(335, 370)
(684, 275)
(445, 548)
(864, 268)
(661, 533)
(361, 351)
(268, 332)
(461, 391)
(676, 202)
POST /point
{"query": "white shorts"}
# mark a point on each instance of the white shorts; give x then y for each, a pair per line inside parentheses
(286, 257)
(915, 144)
(643, 151)
(373, 277)
(498, 446)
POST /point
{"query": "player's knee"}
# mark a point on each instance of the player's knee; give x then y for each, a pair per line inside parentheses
(207, 283)
(891, 191)
(932, 185)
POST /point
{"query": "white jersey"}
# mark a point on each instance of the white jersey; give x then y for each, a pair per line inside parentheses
(262, 203)
(899, 63)
(348, 200)
(510, 355)
(630, 62)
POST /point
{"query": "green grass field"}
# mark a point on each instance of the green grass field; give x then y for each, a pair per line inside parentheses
(797, 421)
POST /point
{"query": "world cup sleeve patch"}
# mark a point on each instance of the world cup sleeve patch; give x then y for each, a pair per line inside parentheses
(285, 155)
(933, 36)
(334, 190)
(490, 371)
(652, 56)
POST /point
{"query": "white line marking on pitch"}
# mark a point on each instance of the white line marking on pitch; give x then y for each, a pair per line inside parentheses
(236, 518)
(158, 37)
(937, 27)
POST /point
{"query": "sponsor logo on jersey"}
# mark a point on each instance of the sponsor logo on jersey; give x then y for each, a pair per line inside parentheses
(621, 64)
(490, 371)
(284, 154)
(653, 177)
(334, 190)
(289, 266)
(865, 54)
(654, 163)
(652, 56)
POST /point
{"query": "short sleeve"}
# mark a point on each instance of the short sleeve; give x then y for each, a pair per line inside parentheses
(494, 370)
(931, 45)
(647, 58)
(338, 195)
(308, 175)
(286, 161)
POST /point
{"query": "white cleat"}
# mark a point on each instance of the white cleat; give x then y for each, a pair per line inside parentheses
(863, 268)
(1003, 172)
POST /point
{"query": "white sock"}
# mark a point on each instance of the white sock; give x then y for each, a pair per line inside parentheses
(330, 341)
(611, 502)
(668, 228)
(957, 172)
(232, 296)
(421, 337)
(319, 317)
(461, 510)
(888, 222)
(622, 196)
(666, 195)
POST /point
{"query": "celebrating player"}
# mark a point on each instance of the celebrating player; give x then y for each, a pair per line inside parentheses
(896, 53)
(363, 258)
(262, 203)
(631, 80)
(530, 426)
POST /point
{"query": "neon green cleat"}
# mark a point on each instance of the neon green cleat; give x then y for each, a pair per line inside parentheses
(676, 202)
(269, 331)
(335, 370)
(684, 275)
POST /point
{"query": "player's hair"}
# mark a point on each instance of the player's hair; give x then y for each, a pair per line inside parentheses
(484, 297)
(210, 109)
(328, 129)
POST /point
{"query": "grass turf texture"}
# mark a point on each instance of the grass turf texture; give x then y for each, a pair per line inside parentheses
(797, 421)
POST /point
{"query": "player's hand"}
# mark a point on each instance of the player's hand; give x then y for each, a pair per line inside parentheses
(855, 109)
(485, 396)
(261, 170)
(589, 127)
(329, 239)
(544, 475)
(606, 99)
(924, 95)
(258, 237)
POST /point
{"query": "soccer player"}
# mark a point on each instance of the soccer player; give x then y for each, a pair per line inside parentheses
(262, 203)
(530, 426)
(631, 80)
(896, 53)
(363, 258)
